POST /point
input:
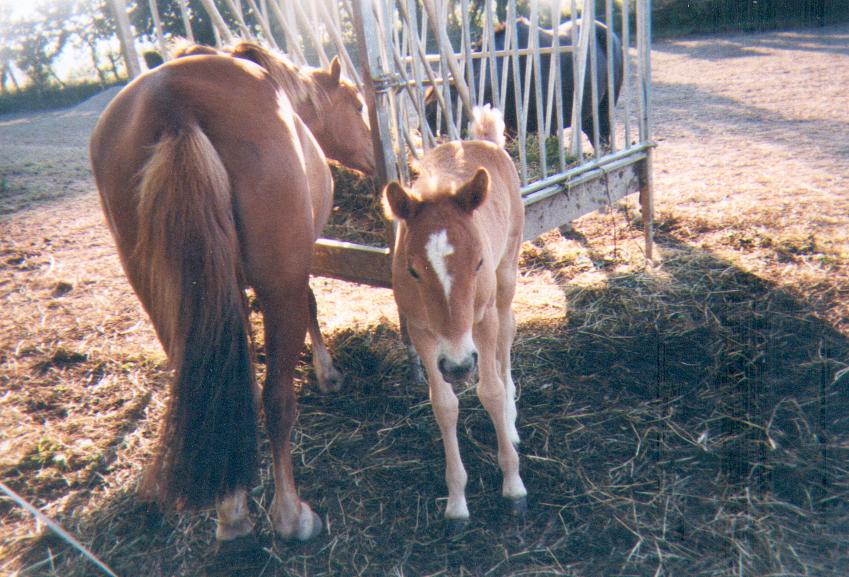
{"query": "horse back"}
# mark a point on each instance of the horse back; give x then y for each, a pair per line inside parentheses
(252, 128)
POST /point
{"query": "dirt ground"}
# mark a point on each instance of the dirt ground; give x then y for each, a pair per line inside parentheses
(751, 168)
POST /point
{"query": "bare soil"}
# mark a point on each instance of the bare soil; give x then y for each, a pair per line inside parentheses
(682, 416)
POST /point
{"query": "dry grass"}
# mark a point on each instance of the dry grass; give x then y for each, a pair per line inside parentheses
(687, 417)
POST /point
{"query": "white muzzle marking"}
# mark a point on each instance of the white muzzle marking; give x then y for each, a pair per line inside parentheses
(438, 248)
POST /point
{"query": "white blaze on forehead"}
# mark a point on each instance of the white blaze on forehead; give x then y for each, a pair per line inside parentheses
(438, 248)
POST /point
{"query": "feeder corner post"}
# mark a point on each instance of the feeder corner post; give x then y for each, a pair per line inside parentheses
(646, 174)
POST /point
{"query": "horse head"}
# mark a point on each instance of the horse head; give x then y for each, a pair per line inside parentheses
(445, 262)
(331, 106)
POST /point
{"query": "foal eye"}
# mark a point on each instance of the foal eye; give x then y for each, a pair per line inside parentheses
(413, 272)
(480, 264)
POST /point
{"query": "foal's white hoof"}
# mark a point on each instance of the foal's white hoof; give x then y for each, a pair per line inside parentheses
(454, 527)
(518, 506)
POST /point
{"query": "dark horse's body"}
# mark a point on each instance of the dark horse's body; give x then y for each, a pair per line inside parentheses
(545, 40)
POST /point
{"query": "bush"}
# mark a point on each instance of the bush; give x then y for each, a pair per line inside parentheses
(32, 99)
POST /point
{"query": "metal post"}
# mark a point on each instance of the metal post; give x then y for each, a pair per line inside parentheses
(646, 178)
(125, 35)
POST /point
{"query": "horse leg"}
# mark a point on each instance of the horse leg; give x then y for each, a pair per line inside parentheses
(506, 334)
(493, 396)
(285, 314)
(446, 410)
(329, 378)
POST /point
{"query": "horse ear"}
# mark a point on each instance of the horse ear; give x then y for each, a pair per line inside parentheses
(472, 194)
(335, 69)
(397, 203)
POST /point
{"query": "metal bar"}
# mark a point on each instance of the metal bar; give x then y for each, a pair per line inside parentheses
(292, 46)
(517, 93)
(367, 37)
(125, 35)
(579, 67)
(263, 23)
(542, 135)
(586, 166)
(574, 199)
(187, 24)
(593, 72)
(611, 85)
(626, 70)
(157, 25)
(336, 36)
(647, 180)
(240, 21)
(309, 28)
(448, 54)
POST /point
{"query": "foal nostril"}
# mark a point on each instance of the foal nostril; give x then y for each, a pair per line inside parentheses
(456, 372)
(442, 363)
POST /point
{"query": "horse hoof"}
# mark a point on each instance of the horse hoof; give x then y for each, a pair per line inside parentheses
(518, 506)
(317, 526)
(307, 527)
(332, 383)
(456, 527)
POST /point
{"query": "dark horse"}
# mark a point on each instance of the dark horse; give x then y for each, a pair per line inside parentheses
(545, 40)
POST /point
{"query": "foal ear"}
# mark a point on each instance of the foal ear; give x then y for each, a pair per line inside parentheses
(397, 203)
(472, 194)
(335, 69)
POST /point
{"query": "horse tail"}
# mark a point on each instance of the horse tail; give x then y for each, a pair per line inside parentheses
(188, 253)
(488, 124)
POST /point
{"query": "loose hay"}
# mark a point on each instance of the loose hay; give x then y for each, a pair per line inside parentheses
(688, 418)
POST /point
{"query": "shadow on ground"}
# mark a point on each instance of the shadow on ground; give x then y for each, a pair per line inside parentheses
(691, 420)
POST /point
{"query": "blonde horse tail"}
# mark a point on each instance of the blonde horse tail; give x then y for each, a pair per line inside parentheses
(188, 255)
(488, 124)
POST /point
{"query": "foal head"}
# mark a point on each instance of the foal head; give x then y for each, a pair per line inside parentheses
(446, 262)
(329, 105)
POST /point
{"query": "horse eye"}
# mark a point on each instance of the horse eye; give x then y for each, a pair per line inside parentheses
(413, 272)
(480, 264)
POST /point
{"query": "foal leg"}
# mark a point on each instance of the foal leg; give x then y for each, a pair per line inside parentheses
(329, 378)
(506, 333)
(493, 396)
(286, 314)
(446, 409)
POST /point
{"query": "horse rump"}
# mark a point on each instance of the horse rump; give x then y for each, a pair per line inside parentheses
(187, 257)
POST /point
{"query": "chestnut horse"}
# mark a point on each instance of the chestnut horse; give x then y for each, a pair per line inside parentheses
(454, 274)
(211, 180)
(334, 147)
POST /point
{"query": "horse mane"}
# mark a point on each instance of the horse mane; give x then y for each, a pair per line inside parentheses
(299, 86)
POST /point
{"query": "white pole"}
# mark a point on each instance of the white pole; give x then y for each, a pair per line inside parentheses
(125, 35)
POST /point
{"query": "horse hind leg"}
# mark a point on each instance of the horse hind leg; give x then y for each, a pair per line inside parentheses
(286, 318)
(330, 379)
